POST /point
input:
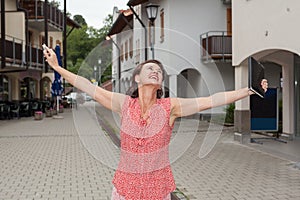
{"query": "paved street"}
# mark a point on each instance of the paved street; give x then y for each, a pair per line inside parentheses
(72, 158)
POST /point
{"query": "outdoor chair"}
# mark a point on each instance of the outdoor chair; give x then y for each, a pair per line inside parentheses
(15, 110)
(25, 109)
(4, 111)
(35, 106)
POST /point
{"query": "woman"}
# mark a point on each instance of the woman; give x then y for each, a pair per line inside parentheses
(147, 121)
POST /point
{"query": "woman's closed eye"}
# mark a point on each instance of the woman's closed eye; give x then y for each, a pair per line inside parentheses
(152, 69)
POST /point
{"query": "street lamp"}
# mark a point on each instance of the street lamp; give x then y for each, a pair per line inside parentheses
(99, 70)
(119, 63)
(152, 10)
(95, 74)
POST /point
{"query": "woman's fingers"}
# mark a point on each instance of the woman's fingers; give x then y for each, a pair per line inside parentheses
(264, 84)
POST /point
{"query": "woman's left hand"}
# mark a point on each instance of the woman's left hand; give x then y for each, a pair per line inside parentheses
(264, 84)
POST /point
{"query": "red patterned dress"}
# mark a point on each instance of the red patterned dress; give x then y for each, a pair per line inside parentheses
(144, 171)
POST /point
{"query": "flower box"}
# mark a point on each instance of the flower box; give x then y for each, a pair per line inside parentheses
(61, 108)
(48, 113)
(54, 112)
(38, 115)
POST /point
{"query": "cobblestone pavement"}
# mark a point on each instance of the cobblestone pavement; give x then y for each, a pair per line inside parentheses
(46, 160)
(52, 159)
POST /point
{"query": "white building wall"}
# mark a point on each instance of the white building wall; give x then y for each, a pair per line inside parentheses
(184, 22)
(271, 34)
(273, 26)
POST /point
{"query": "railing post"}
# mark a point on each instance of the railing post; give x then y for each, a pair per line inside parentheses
(37, 57)
(36, 10)
(30, 55)
(223, 46)
(201, 47)
(55, 15)
(14, 50)
(207, 47)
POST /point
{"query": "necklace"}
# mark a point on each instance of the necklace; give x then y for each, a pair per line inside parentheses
(144, 119)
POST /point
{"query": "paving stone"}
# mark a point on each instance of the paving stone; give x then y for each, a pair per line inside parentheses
(49, 159)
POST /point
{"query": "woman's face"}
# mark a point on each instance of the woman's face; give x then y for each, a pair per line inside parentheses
(150, 73)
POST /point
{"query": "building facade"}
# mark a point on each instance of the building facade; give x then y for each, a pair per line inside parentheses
(271, 36)
(25, 26)
(204, 46)
(177, 44)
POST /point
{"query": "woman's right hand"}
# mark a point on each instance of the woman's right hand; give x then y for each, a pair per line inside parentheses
(51, 58)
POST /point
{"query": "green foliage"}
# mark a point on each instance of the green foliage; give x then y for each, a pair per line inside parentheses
(229, 118)
(55, 3)
(80, 20)
(106, 74)
(84, 43)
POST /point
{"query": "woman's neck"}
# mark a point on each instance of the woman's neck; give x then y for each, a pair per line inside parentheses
(147, 97)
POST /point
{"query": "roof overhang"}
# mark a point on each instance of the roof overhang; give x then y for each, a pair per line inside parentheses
(72, 23)
(124, 19)
(136, 2)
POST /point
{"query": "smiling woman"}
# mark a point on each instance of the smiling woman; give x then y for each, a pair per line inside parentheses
(154, 69)
(147, 121)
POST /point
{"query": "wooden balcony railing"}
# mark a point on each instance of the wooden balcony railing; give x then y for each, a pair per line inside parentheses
(36, 11)
(216, 45)
(16, 50)
(13, 51)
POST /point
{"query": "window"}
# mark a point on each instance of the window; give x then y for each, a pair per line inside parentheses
(162, 25)
(58, 42)
(138, 51)
(130, 47)
(126, 50)
(229, 21)
(41, 40)
(30, 37)
(122, 52)
(51, 42)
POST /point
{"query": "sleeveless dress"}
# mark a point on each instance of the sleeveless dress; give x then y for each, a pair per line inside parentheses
(144, 171)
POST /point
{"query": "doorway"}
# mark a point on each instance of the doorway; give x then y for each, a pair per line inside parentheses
(297, 94)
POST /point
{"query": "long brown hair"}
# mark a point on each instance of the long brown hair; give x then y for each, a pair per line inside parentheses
(133, 90)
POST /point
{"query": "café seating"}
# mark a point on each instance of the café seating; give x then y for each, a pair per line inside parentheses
(4, 111)
(25, 110)
(15, 110)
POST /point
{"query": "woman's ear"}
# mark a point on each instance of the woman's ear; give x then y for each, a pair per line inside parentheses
(137, 78)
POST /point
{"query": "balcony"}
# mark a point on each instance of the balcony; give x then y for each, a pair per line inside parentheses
(15, 52)
(36, 15)
(216, 46)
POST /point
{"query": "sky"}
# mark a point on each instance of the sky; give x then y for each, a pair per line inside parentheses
(93, 11)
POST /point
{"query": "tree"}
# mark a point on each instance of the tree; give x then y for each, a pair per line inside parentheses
(88, 41)
(80, 20)
(55, 3)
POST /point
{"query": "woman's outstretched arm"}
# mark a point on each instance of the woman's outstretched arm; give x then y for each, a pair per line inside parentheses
(110, 100)
(187, 106)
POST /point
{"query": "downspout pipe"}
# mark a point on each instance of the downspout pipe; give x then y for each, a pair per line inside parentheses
(65, 35)
(26, 61)
(3, 48)
(143, 25)
(65, 43)
(46, 28)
